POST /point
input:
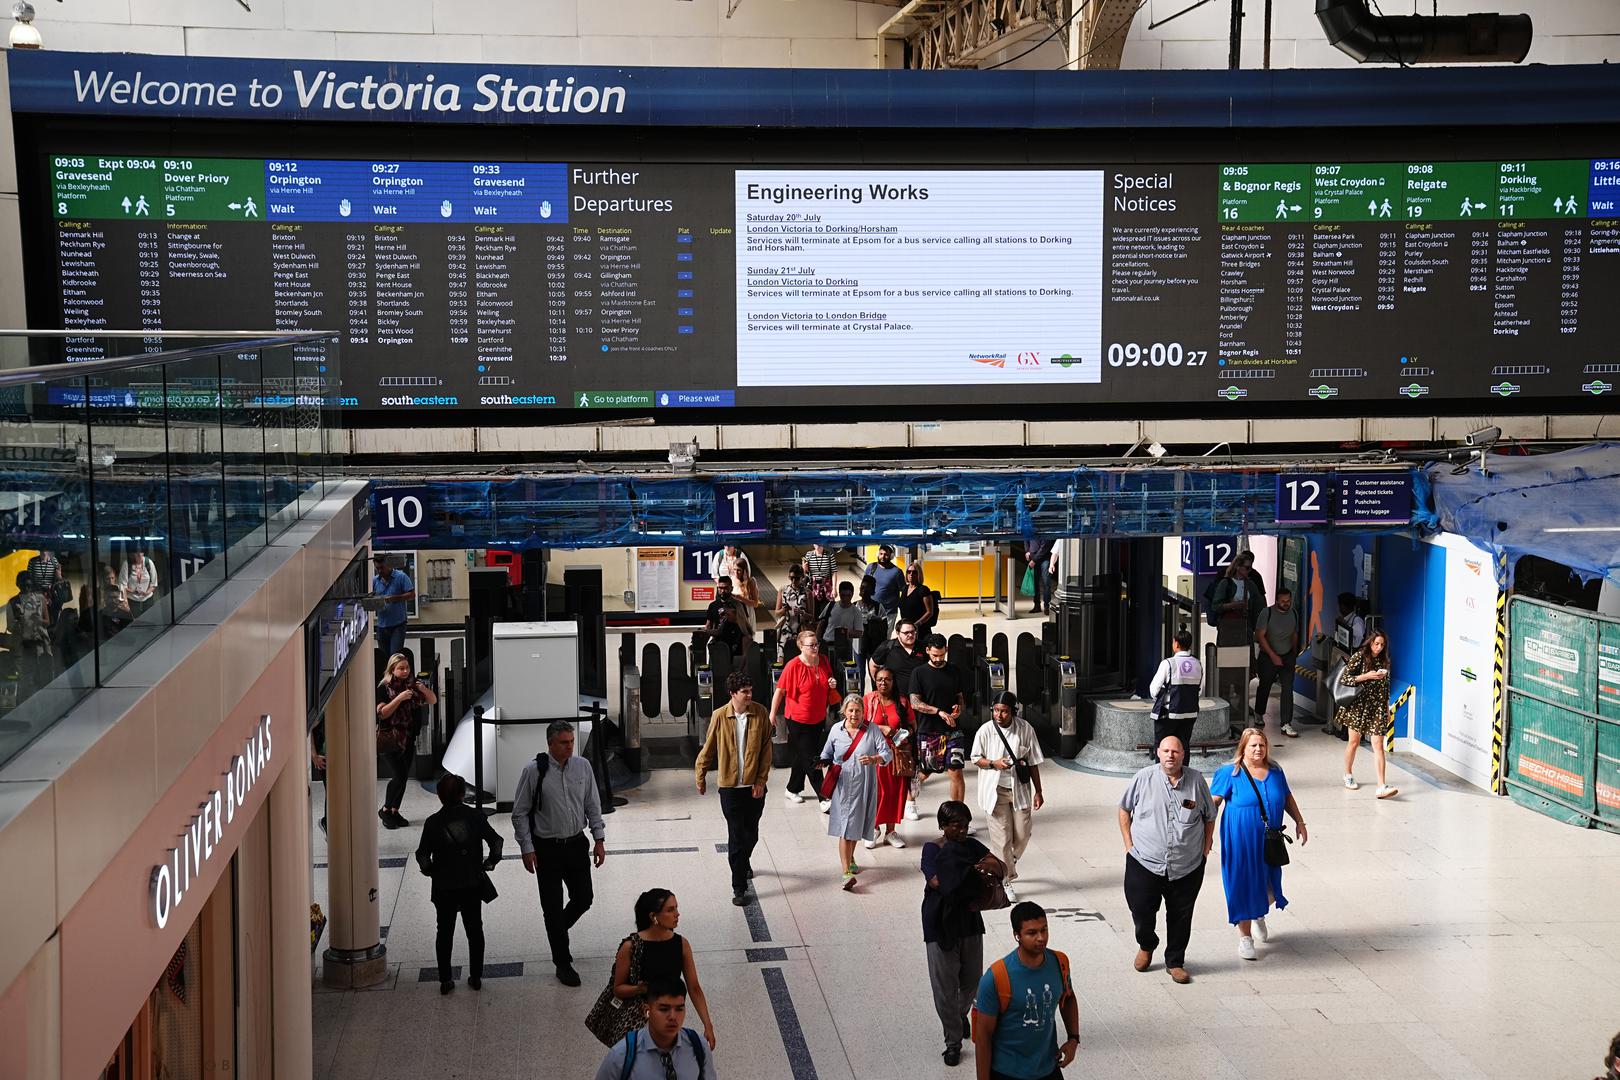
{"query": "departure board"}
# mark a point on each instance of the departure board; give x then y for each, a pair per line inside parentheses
(510, 286)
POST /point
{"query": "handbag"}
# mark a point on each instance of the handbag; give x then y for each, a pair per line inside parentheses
(992, 895)
(1277, 841)
(905, 751)
(391, 738)
(1020, 770)
(829, 781)
(1027, 586)
(1343, 693)
(612, 1018)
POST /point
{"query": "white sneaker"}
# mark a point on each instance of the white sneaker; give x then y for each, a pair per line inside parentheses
(1260, 930)
(826, 806)
(1387, 792)
(911, 810)
(1012, 894)
(793, 796)
(896, 840)
(1350, 782)
(1246, 948)
(870, 844)
(1288, 730)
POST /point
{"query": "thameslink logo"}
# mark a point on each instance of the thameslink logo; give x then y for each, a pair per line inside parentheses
(1323, 392)
(1414, 390)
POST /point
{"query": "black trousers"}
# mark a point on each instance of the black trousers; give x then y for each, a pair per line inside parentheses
(1181, 729)
(1272, 673)
(560, 864)
(463, 902)
(402, 764)
(742, 813)
(1144, 890)
(804, 752)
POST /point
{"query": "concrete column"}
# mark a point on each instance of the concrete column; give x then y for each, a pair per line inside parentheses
(356, 957)
(292, 997)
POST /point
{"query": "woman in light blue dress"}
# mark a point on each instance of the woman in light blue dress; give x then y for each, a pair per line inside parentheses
(1252, 884)
(861, 747)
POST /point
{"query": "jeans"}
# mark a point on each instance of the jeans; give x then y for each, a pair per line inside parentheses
(742, 812)
(954, 976)
(402, 763)
(465, 903)
(804, 749)
(560, 863)
(1043, 585)
(1143, 892)
(391, 639)
(1276, 673)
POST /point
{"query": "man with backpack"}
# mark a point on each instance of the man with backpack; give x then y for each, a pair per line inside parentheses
(663, 1050)
(556, 802)
(1020, 998)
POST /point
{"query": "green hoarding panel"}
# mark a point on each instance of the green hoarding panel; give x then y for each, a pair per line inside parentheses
(1552, 654)
(1607, 773)
(1551, 751)
(1608, 674)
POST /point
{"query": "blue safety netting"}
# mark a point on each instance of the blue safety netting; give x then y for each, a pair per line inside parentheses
(1563, 506)
(907, 507)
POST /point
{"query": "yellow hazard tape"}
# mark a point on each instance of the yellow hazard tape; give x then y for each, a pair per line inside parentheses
(1498, 667)
(1395, 706)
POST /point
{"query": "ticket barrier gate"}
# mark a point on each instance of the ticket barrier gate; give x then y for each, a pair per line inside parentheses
(779, 732)
(1068, 708)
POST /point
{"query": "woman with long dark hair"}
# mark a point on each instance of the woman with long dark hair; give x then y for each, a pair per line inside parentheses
(401, 697)
(1367, 714)
(658, 953)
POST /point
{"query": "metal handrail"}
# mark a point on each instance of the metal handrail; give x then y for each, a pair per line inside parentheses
(251, 339)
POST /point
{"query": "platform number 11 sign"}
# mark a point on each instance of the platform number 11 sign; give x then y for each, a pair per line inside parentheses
(739, 507)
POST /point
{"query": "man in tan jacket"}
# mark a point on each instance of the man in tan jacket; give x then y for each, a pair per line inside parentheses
(739, 746)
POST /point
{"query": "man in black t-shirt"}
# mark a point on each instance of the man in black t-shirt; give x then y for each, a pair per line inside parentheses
(724, 621)
(938, 701)
(899, 654)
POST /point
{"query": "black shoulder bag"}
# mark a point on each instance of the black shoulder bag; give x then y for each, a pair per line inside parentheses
(1020, 770)
(1277, 841)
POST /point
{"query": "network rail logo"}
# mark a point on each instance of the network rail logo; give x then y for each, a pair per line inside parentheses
(995, 360)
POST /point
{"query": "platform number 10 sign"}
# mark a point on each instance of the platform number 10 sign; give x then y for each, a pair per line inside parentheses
(739, 507)
(401, 514)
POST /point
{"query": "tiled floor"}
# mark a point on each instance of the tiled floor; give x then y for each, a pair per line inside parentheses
(1444, 934)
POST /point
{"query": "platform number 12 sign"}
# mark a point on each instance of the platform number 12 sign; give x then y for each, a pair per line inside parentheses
(1207, 554)
(739, 507)
(1302, 498)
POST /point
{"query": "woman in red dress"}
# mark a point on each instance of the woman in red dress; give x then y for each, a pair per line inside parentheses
(890, 712)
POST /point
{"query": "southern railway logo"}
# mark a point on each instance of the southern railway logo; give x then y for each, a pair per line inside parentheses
(1232, 393)
(1505, 389)
(1597, 386)
(1414, 390)
(1323, 392)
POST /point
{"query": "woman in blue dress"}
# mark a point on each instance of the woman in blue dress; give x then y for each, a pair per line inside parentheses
(861, 747)
(1252, 886)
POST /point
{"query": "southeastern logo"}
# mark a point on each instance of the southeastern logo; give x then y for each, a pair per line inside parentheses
(1505, 389)
(1232, 393)
(1413, 390)
(997, 360)
(1597, 386)
(1323, 392)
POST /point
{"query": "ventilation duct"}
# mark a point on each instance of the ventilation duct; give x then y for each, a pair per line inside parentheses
(1486, 38)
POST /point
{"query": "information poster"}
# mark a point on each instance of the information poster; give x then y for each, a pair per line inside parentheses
(1468, 657)
(658, 579)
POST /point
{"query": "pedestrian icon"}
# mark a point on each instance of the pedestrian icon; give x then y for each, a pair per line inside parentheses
(1469, 206)
(249, 208)
(1383, 209)
(142, 208)
(1282, 209)
(1568, 206)
(584, 400)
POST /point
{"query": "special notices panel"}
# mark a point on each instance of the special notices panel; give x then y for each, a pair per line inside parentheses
(879, 278)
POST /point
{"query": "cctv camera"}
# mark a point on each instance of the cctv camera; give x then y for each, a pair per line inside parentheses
(1485, 436)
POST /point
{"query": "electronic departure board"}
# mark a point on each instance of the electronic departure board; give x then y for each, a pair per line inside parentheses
(523, 285)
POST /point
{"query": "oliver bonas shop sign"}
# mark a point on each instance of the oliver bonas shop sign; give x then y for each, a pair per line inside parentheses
(204, 836)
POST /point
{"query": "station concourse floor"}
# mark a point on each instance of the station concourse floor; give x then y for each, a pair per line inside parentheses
(1442, 934)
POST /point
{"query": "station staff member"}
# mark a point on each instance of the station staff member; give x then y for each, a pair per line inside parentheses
(556, 802)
